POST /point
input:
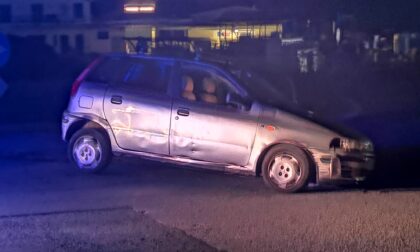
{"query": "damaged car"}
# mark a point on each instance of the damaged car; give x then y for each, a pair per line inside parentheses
(201, 114)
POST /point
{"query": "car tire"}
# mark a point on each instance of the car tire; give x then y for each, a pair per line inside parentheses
(90, 150)
(286, 168)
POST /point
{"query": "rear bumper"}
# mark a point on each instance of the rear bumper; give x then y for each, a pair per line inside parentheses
(67, 120)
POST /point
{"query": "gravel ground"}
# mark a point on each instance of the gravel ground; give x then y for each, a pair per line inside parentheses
(100, 230)
(317, 221)
(46, 205)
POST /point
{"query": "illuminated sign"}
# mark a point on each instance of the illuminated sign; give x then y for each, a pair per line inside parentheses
(140, 7)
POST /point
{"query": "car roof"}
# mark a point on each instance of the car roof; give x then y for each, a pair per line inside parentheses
(146, 56)
(180, 59)
(198, 62)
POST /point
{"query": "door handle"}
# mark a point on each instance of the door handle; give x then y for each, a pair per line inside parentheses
(116, 99)
(183, 112)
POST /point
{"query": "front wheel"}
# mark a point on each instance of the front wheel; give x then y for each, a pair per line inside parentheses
(90, 150)
(286, 168)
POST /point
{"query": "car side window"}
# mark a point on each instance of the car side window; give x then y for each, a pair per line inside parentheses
(204, 86)
(110, 70)
(148, 75)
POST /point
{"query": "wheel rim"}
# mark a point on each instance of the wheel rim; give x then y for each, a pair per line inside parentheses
(284, 170)
(87, 152)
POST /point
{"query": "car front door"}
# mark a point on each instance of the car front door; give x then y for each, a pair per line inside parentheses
(203, 126)
(138, 107)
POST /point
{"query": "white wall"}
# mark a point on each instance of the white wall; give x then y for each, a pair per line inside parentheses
(63, 9)
(92, 44)
(67, 25)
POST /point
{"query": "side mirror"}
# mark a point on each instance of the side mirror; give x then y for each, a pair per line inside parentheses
(237, 101)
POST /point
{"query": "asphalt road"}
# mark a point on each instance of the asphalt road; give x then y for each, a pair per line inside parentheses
(142, 205)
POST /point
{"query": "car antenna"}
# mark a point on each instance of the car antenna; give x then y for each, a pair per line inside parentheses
(138, 45)
(196, 51)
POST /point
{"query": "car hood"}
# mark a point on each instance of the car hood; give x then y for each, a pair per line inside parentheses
(308, 122)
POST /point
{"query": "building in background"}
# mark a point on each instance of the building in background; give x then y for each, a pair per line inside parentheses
(73, 26)
(66, 25)
(214, 29)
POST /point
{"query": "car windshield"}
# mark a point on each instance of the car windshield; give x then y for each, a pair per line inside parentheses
(266, 88)
(280, 93)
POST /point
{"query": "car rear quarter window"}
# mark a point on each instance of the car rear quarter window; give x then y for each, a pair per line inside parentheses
(147, 75)
(138, 74)
(109, 71)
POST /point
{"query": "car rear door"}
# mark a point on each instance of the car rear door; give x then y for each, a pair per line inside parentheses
(138, 107)
(213, 132)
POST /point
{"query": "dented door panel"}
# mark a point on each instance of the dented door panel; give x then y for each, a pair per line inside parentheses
(212, 133)
(141, 122)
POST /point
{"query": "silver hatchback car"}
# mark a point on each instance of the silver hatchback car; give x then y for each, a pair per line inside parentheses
(201, 114)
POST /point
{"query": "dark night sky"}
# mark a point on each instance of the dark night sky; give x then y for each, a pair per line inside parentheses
(370, 13)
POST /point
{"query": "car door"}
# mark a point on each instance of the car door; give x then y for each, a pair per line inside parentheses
(138, 107)
(208, 131)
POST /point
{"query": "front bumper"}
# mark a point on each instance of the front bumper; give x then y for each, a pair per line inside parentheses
(344, 166)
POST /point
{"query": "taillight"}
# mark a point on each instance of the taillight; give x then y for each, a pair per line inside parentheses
(82, 76)
(75, 87)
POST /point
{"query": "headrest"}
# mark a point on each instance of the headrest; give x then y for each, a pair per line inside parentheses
(209, 85)
(188, 84)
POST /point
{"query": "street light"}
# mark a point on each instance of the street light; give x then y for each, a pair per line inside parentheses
(140, 7)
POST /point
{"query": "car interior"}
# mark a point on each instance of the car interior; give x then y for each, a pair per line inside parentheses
(203, 87)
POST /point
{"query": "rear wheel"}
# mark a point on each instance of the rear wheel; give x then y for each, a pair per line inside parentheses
(90, 150)
(286, 168)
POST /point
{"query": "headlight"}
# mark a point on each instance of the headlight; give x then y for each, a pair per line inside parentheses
(350, 144)
(367, 146)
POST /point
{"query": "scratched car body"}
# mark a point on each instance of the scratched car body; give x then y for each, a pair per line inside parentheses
(199, 113)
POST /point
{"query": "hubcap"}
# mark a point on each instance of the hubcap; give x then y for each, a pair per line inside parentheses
(87, 152)
(284, 170)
